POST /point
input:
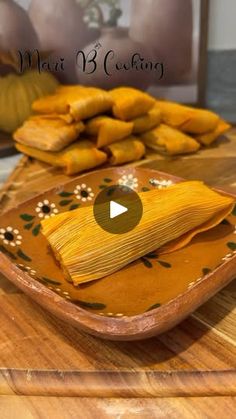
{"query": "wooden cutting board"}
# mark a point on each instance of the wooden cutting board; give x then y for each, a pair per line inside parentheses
(40, 356)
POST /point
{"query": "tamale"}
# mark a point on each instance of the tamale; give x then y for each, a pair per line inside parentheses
(210, 137)
(107, 130)
(86, 252)
(170, 141)
(91, 103)
(130, 103)
(48, 134)
(186, 118)
(52, 104)
(80, 102)
(78, 157)
(64, 117)
(147, 122)
(128, 150)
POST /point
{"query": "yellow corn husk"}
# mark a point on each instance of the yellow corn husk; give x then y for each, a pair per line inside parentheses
(170, 216)
(76, 158)
(186, 118)
(210, 137)
(128, 150)
(147, 122)
(130, 103)
(80, 102)
(48, 134)
(108, 130)
(170, 141)
(64, 117)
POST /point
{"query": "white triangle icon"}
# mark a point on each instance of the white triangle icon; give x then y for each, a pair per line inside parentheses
(116, 209)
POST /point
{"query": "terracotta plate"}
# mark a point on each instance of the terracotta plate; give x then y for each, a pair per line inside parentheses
(144, 299)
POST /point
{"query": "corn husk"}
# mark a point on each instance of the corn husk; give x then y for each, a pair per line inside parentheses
(64, 117)
(107, 130)
(130, 103)
(186, 118)
(169, 141)
(128, 150)
(48, 134)
(80, 102)
(173, 215)
(78, 157)
(147, 122)
(210, 137)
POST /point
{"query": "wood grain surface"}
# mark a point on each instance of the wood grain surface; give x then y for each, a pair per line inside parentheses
(93, 408)
(41, 356)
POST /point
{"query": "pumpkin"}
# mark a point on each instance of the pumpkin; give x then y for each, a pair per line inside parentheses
(18, 92)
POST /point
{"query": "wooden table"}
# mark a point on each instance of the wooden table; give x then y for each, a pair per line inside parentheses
(189, 372)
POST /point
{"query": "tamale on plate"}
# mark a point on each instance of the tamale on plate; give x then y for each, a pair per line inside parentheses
(171, 217)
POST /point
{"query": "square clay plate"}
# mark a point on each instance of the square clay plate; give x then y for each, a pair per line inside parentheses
(144, 299)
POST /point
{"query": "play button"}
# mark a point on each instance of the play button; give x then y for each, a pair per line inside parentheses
(117, 209)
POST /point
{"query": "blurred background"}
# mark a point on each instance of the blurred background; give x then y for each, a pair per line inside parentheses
(221, 45)
(165, 31)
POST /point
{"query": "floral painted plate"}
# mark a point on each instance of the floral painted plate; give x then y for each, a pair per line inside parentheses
(144, 299)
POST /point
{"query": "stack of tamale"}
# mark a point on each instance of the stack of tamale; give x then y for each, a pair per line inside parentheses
(79, 128)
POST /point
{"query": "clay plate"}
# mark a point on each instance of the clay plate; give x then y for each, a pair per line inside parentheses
(144, 299)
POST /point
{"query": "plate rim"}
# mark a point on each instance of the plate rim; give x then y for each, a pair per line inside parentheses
(140, 326)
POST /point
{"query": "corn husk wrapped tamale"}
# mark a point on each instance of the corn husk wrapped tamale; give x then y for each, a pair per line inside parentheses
(210, 137)
(107, 130)
(48, 134)
(78, 157)
(170, 141)
(186, 118)
(130, 103)
(173, 215)
(64, 117)
(128, 150)
(147, 122)
(80, 102)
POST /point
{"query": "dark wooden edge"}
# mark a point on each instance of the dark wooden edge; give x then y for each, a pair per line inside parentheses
(7, 145)
(202, 67)
(136, 327)
(125, 384)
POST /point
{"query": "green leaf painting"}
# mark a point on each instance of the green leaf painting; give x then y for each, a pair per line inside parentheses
(157, 305)
(65, 194)
(36, 230)
(23, 256)
(92, 306)
(231, 245)
(65, 202)
(27, 217)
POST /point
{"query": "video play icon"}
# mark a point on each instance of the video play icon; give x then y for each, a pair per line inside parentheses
(117, 209)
